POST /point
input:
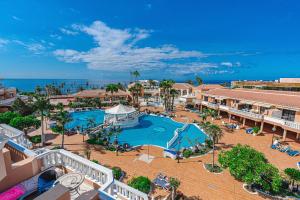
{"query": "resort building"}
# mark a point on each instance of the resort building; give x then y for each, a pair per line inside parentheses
(276, 110)
(54, 174)
(105, 97)
(7, 97)
(283, 84)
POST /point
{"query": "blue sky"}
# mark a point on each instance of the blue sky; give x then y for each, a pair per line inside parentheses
(216, 39)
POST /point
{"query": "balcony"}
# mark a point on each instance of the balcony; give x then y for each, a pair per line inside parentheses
(223, 107)
(282, 122)
(15, 135)
(213, 105)
(246, 113)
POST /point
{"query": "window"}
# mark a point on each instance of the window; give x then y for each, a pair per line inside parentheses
(288, 115)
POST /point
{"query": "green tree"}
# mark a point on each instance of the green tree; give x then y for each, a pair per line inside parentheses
(136, 91)
(293, 176)
(135, 74)
(6, 117)
(62, 117)
(174, 93)
(22, 108)
(215, 133)
(140, 183)
(199, 80)
(42, 106)
(112, 88)
(23, 123)
(166, 86)
(174, 183)
(250, 166)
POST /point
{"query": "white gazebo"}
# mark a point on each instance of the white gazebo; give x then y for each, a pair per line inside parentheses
(123, 116)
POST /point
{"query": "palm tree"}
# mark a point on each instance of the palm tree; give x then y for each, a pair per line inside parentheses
(62, 117)
(136, 92)
(152, 83)
(42, 106)
(121, 86)
(135, 74)
(112, 88)
(174, 183)
(173, 94)
(190, 82)
(166, 86)
(215, 133)
(199, 80)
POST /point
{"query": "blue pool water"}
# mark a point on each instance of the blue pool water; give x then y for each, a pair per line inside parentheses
(151, 130)
(80, 118)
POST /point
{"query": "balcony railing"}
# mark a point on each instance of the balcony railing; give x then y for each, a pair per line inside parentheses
(246, 113)
(223, 107)
(15, 135)
(289, 124)
(205, 103)
(109, 188)
(213, 105)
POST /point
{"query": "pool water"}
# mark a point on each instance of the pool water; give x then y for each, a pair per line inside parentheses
(153, 130)
(80, 118)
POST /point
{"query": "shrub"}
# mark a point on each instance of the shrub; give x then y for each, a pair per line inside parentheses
(95, 141)
(215, 168)
(117, 172)
(141, 183)
(95, 161)
(24, 122)
(187, 153)
(6, 117)
(36, 139)
(250, 166)
(255, 129)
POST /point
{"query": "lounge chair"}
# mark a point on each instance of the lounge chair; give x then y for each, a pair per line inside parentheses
(275, 146)
(249, 130)
(285, 149)
(293, 153)
(162, 182)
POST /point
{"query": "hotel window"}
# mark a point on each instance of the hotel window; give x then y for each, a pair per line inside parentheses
(288, 115)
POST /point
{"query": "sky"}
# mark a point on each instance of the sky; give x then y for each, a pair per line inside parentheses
(162, 39)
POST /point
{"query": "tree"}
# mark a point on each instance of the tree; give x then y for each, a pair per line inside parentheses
(136, 91)
(135, 74)
(250, 166)
(23, 123)
(174, 183)
(190, 82)
(112, 88)
(199, 80)
(121, 87)
(62, 117)
(215, 133)
(152, 83)
(42, 106)
(140, 183)
(293, 176)
(6, 117)
(174, 93)
(166, 86)
(21, 107)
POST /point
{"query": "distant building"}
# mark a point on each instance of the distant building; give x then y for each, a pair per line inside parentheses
(105, 97)
(284, 84)
(7, 97)
(150, 88)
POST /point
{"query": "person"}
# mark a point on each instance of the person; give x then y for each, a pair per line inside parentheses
(276, 142)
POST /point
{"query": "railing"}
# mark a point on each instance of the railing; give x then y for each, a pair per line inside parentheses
(109, 188)
(213, 105)
(92, 171)
(223, 107)
(15, 135)
(204, 103)
(120, 190)
(176, 134)
(246, 113)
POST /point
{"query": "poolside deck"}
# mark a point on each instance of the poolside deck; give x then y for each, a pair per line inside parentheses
(196, 182)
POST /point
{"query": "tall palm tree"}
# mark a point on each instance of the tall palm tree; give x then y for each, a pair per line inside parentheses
(199, 80)
(42, 106)
(174, 183)
(174, 93)
(135, 74)
(136, 91)
(112, 88)
(62, 118)
(215, 133)
(166, 86)
(152, 83)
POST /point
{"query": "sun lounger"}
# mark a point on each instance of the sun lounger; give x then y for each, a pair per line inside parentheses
(274, 146)
(285, 149)
(161, 182)
(293, 153)
(249, 130)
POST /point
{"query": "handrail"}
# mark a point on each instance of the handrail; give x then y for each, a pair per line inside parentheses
(176, 134)
(15, 135)
(250, 114)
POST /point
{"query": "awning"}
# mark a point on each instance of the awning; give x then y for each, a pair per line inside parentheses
(120, 109)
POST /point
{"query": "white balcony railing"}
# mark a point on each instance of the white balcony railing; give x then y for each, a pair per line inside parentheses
(223, 107)
(246, 113)
(205, 103)
(109, 188)
(15, 135)
(213, 105)
(289, 124)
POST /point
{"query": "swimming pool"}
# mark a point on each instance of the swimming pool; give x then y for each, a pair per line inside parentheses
(152, 130)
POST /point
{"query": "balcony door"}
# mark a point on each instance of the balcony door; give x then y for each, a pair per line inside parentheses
(288, 115)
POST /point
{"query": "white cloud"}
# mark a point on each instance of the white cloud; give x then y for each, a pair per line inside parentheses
(3, 42)
(68, 32)
(117, 50)
(34, 47)
(16, 18)
(227, 64)
(56, 36)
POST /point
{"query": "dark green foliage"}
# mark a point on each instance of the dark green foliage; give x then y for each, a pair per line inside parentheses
(22, 123)
(95, 141)
(215, 168)
(95, 161)
(141, 183)
(19, 106)
(35, 139)
(187, 153)
(117, 172)
(250, 166)
(208, 143)
(255, 129)
(7, 116)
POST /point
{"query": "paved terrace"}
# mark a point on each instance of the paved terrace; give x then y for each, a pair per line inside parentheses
(195, 180)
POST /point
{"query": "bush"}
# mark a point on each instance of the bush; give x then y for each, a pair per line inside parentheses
(141, 183)
(36, 139)
(250, 166)
(117, 172)
(187, 153)
(215, 169)
(22, 123)
(95, 161)
(255, 129)
(6, 117)
(95, 141)
(57, 129)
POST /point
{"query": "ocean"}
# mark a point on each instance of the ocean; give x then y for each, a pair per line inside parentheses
(71, 85)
